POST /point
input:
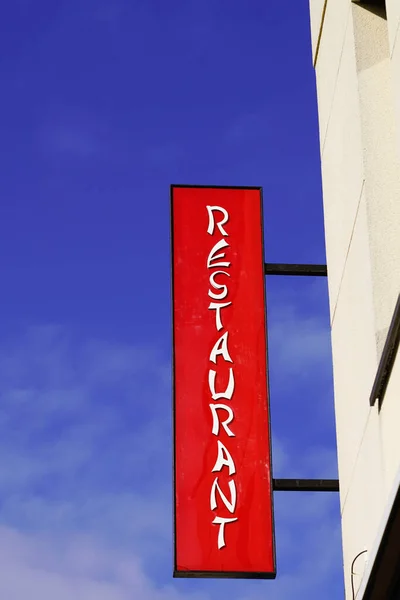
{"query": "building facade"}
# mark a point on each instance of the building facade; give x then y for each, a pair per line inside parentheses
(356, 54)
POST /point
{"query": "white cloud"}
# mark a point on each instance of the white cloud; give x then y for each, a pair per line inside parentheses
(316, 461)
(75, 422)
(85, 481)
(299, 345)
(74, 567)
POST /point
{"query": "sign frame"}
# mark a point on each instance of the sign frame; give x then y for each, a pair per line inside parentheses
(202, 574)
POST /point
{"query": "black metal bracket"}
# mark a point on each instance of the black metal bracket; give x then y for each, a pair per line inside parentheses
(305, 485)
(387, 359)
(289, 269)
(301, 485)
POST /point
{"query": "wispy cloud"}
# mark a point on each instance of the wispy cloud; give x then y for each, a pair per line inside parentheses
(85, 455)
(74, 418)
(75, 567)
(299, 343)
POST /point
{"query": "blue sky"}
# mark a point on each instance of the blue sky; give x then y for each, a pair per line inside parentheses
(105, 104)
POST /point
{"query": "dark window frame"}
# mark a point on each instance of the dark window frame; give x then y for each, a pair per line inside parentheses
(387, 359)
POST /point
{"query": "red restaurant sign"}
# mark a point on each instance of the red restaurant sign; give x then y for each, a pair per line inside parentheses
(222, 461)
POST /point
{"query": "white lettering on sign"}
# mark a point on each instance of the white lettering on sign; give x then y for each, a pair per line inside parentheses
(213, 496)
(211, 222)
(218, 286)
(228, 393)
(221, 537)
(216, 422)
(220, 350)
(224, 459)
(217, 307)
(213, 256)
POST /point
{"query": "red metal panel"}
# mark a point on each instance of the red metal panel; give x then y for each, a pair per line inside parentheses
(223, 485)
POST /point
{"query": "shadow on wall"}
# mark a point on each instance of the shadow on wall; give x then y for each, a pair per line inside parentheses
(377, 7)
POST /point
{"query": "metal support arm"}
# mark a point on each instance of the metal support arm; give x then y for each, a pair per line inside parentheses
(292, 269)
(305, 485)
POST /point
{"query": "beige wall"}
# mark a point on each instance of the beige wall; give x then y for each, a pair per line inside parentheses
(356, 54)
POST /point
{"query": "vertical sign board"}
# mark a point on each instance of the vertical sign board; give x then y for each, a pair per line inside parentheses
(222, 459)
